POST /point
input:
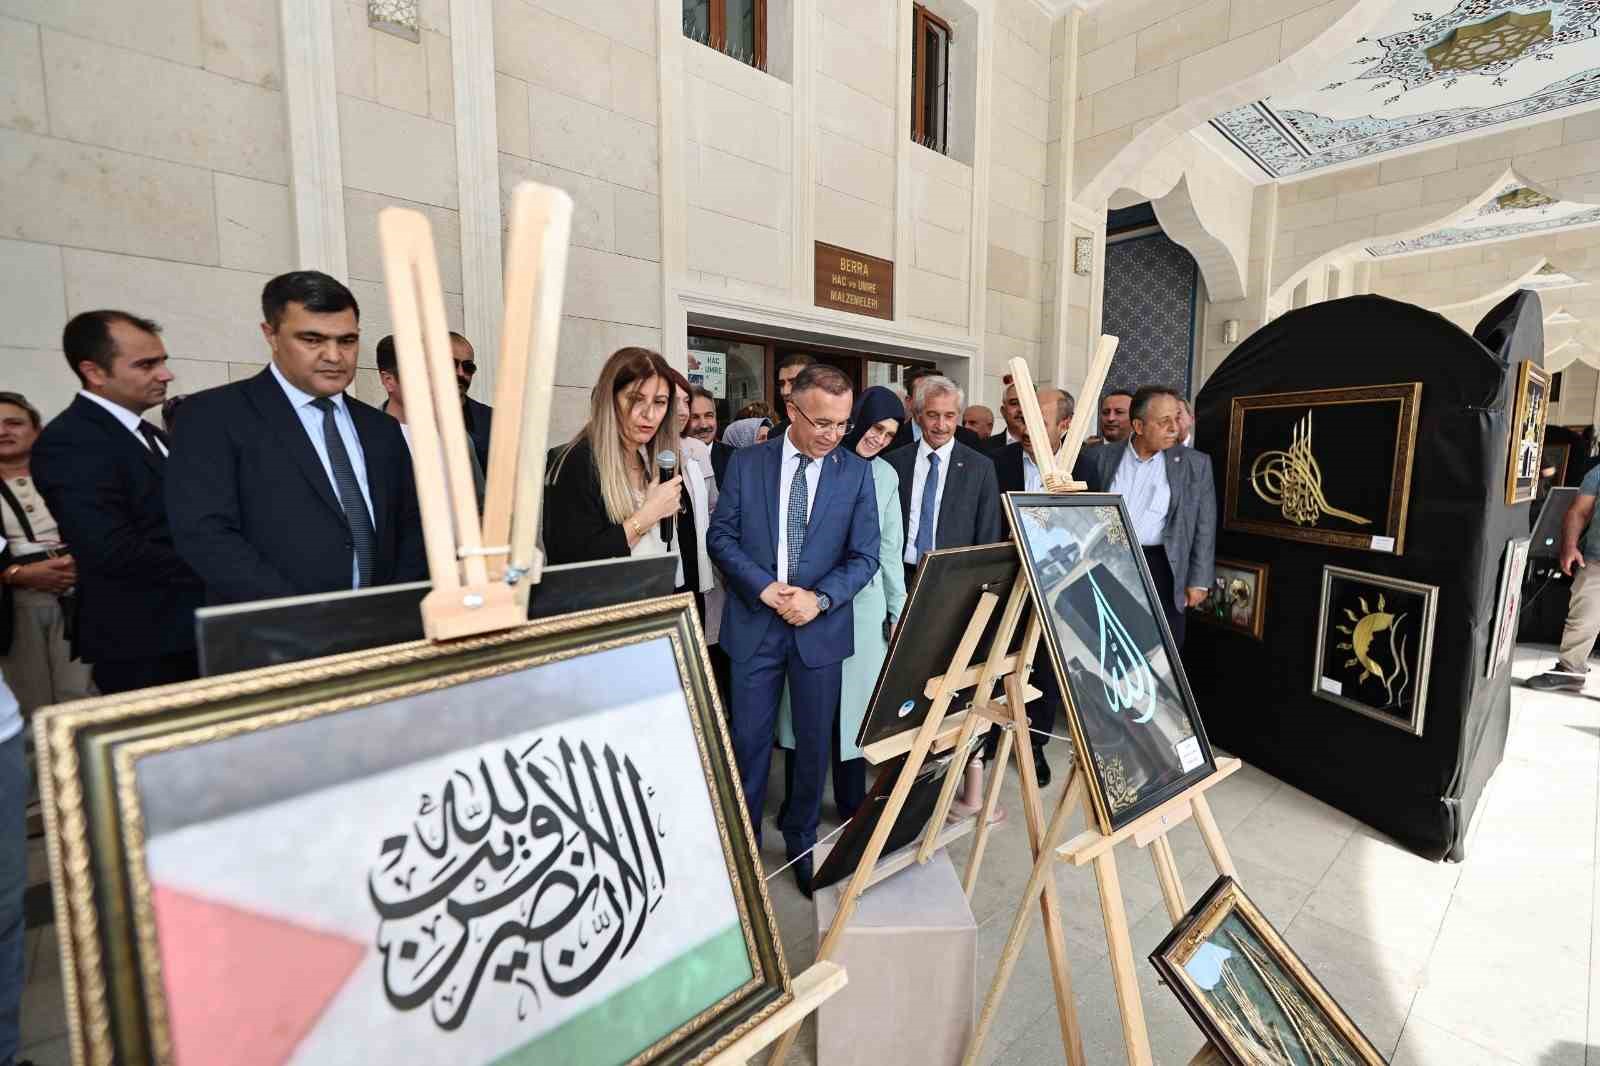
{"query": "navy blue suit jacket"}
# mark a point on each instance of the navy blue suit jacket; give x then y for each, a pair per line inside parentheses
(839, 557)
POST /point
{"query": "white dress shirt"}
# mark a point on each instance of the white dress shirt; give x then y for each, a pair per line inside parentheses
(123, 415)
(1032, 480)
(919, 480)
(791, 463)
(311, 418)
(1143, 484)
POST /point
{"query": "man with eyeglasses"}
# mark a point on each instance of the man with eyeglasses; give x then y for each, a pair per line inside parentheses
(795, 535)
(477, 415)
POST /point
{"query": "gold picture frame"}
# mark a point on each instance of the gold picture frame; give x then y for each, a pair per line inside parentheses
(112, 769)
(1530, 409)
(1226, 943)
(1324, 466)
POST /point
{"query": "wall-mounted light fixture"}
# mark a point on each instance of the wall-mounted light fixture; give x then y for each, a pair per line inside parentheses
(1082, 255)
(1230, 331)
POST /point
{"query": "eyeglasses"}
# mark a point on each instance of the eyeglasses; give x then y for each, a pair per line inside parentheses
(467, 366)
(827, 426)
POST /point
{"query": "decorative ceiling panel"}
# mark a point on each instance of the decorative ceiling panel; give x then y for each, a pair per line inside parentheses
(1516, 211)
(1427, 73)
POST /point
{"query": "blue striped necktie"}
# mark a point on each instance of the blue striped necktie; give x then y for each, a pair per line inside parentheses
(362, 536)
(796, 519)
(925, 518)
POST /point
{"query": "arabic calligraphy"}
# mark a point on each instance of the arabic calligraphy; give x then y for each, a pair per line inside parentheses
(1124, 671)
(520, 881)
(1292, 482)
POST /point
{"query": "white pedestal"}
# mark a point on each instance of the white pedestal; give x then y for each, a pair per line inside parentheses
(911, 950)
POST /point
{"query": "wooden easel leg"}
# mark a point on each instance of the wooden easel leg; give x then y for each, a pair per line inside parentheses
(947, 791)
(1040, 883)
(1207, 824)
(1120, 945)
(991, 800)
(1167, 874)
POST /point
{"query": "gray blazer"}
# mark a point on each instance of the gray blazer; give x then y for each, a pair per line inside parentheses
(969, 511)
(1191, 536)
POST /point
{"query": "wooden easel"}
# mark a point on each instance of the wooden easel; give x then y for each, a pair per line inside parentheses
(483, 571)
(1092, 846)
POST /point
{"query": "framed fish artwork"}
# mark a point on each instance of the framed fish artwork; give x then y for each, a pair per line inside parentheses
(1248, 991)
(1375, 645)
(1530, 407)
(1325, 466)
(1128, 701)
(517, 848)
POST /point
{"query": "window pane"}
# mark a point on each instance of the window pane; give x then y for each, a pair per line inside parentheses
(742, 29)
(697, 20)
(740, 380)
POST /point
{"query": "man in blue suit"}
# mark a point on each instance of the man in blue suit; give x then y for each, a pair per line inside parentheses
(795, 534)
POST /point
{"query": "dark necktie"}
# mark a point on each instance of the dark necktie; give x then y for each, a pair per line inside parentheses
(796, 532)
(362, 536)
(152, 439)
(930, 496)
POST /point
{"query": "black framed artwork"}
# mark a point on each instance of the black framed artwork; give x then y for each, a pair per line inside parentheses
(1374, 645)
(1326, 466)
(845, 856)
(1529, 408)
(1128, 701)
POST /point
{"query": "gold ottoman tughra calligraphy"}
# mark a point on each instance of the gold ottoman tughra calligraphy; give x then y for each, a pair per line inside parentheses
(1292, 482)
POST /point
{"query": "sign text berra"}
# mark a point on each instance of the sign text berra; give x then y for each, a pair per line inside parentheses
(853, 281)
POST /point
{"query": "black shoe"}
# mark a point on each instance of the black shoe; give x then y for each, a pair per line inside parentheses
(1041, 768)
(1556, 680)
(802, 875)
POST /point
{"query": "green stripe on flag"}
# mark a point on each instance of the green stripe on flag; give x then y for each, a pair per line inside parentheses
(619, 1027)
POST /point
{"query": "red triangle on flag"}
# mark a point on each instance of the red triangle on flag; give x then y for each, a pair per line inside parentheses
(244, 988)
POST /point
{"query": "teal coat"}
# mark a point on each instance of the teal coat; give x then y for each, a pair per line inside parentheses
(883, 597)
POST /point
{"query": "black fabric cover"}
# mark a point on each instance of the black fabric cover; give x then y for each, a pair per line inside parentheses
(1256, 696)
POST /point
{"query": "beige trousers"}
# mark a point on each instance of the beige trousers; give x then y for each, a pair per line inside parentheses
(40, 668)
(1583, 619)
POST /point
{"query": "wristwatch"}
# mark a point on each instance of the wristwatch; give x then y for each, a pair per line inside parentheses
(823, 602)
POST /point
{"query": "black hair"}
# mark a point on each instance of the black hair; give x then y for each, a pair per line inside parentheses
(700, 392)
(830, 379)
(387, 362)
(16, 399)
(312, 289)
(87, 337)
(796, 359)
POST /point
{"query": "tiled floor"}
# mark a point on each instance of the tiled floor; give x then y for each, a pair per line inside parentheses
(1487, 963)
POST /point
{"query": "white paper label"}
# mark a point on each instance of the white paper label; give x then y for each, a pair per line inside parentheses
(1189, 755)
(1330, 685)
(1383, 544)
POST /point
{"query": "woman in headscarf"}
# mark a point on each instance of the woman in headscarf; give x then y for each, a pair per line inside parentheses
(873, 425)
(745, 432)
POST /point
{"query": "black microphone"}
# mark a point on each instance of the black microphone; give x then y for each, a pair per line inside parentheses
(667, 466)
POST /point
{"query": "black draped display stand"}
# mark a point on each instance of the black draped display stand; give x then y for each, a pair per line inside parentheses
(1256, 696)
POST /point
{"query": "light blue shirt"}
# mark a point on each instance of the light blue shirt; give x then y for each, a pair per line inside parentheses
(791, 463)
(10, 713)
(311, 418)
(1143, 485)
(916, 431)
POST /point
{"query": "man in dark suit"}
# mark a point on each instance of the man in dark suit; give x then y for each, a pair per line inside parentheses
(795, 535)
(1170, 497)
(101, 470)
(948, 494)
(477, 415)
(910, 431)
(282, 485)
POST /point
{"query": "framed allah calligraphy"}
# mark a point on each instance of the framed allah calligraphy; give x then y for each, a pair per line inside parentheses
(522, 847)
(1328, 466)
(1529, 410)
(1133, 718)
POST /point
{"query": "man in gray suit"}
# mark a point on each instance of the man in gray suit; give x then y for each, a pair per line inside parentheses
(949, 497)
(1170, 496)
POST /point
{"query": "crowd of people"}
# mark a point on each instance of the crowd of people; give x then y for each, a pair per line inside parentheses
(798, 528)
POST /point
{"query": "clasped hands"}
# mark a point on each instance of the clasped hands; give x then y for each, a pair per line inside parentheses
(794, 605)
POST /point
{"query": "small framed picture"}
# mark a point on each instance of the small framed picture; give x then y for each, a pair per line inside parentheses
(1238, 598)
(1375, 644)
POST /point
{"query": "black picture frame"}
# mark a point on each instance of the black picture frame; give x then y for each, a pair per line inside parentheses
(1375, 645)
(1324, 466)
(845, 855)
(1547, 529)
(1108, 636)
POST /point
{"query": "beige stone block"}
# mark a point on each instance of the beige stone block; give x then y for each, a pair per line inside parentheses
(255, 225)
(934, 297)
(1454, 189)
(849, 167)
(376, 322)
(941, 203)
(577, 136)
(1091, 156)
(1302, 29)
(205, 312)
(851, 222)
(1500, 147)
(179, 113)
(1319, 239)
(354, 43)
(1187, 33)
(441, 78)
(633, 84)
(365, 253)
(874, 20)
(738, 124)
(1020, 106)
(866, 67)
(1011, 273)
(1418, 164)
(1584, 188)
(40, 374)
(398, 154)
(1216, 68)
(166, 28)
(1247, 16)
(1015, 231)
(400, 70)
(241, 41)
(1153, 93)
(1024, 18)
(739, 188)
(22, 104)
(940, 166)
(32, 301)
(245, 371)
(593, 200)
(585, 346)
(568, 411)
(722, 245)
(1390, 196)
(1107, 66)
(940, 251)
(631, 22)
(1023, 60)
(541, 49)
(1012, 316)
(1130, 16)
(638, 224)
(854, 114)
(738, 78)
(1341, 181)
(1016, 191)
(511, 115)
(195, 375)
(1024, 153)
(57, 192)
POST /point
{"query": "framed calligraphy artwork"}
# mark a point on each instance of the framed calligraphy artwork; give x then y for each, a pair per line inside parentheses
(1327, 466)
(524, 847)
(1237, 599)
(1132, 715)
(1375, 645)
(1530, 406)
(1249, 992)
(1508, 605)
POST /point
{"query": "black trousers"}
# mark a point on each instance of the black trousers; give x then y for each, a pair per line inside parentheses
(1166, 585)
(125, 675)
